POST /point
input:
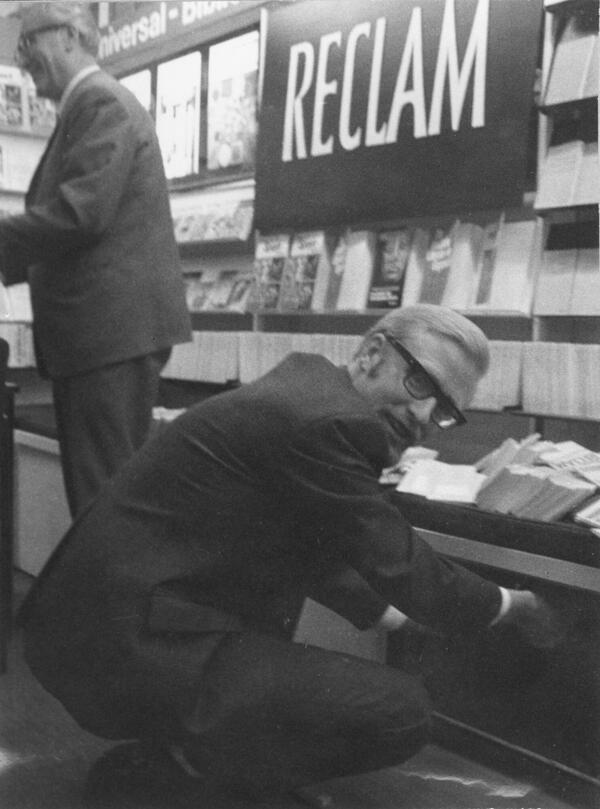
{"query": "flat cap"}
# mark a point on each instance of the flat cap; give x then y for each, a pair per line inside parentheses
(36, 15)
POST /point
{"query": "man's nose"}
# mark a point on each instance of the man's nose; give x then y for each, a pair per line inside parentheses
(422, 409)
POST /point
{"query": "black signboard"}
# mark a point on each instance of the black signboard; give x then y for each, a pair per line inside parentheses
(380, 109)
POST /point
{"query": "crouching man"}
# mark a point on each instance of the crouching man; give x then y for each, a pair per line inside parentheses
(167, 613)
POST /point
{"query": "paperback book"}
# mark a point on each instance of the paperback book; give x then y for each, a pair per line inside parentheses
(359, 263)
(393, 251)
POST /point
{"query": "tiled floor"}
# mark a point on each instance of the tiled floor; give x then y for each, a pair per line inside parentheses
(44, 758)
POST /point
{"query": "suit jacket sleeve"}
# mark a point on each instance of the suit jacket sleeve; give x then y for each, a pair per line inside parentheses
(329, 474)
(97, 145)
(348, 594)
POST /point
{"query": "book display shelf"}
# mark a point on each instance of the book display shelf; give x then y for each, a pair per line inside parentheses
(529, 277)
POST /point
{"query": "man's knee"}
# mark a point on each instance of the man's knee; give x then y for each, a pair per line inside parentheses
(399, 699)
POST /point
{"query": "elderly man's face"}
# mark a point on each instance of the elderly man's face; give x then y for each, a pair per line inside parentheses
(384, 384)
(41, 52)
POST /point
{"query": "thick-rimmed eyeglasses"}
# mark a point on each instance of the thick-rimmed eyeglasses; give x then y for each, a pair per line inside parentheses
(28, 41)
(421, 385)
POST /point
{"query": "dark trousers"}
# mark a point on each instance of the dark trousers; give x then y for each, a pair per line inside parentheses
(103, 416)
(274, 715)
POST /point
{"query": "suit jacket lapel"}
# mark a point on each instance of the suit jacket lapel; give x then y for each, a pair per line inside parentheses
(30, 195)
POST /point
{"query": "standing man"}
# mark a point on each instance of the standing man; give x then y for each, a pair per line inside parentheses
(167, 612)
(96, 244)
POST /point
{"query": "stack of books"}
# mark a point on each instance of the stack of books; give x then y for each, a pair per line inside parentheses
(261, 351)
(19, 337)
(570, 175)
(568, 283)
(535, 479)
(501, 386)
(575, 62)
(561, 379)
(213, 220)
(532, 479)
(211, 356)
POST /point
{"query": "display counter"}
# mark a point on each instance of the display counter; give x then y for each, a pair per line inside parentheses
(493, 689)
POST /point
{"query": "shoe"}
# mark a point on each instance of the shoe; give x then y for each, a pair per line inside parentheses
(133, 776)
(317, 800)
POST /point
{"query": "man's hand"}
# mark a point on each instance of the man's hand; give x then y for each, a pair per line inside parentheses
(539, 623)
(392, 619)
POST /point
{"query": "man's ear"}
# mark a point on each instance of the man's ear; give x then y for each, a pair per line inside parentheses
(71, 37)
(372, 354)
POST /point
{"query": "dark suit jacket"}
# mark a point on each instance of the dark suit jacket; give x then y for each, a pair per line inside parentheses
(96, 241)
(226, 521)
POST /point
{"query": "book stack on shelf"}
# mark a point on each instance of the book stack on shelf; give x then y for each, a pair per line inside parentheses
(570, 174)
(15, 303)
(573, 74)
(209, 357)
(197, 286)
(214, 220)
(219, 285)
(561, 379)
(19, 337)
(261, 351)
(501, 386)
(568, 283)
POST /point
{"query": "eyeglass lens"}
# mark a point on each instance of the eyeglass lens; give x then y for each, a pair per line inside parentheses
(419, 384)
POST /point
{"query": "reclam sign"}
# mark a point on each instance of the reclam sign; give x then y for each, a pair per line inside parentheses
(406, 92)
(394, 108)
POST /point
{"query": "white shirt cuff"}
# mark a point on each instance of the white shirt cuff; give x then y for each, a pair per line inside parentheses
(504, 606)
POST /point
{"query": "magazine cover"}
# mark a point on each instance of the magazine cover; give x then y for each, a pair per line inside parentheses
(271, 258)
(11, 97)
(307, 271)
(393, 251)
(178, 114)
(232, 102)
